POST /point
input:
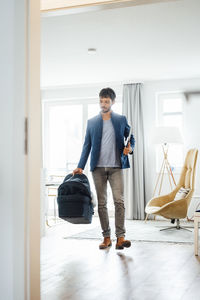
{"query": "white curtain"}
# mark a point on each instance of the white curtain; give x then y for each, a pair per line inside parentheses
(134, 178)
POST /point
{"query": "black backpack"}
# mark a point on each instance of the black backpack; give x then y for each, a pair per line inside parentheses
(74, 199)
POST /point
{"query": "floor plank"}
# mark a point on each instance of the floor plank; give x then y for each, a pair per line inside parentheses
(73, 269)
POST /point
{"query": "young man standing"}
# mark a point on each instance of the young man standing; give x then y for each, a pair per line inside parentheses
(105, 137)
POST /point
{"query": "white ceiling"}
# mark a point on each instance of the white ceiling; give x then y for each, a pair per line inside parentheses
(138, 43)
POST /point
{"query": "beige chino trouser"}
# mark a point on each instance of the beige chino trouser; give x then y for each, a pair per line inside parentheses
(114, 176)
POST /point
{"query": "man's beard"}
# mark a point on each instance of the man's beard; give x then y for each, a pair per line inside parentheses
(105, 111)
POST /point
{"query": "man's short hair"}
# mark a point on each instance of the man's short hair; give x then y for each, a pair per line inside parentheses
(107, 93)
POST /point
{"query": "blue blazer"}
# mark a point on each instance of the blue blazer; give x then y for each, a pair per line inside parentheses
(93, 140)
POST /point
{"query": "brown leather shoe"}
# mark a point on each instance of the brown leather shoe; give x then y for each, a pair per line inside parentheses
(121, 243)
(106, 243)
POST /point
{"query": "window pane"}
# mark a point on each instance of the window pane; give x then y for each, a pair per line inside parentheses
(170, 113)
(175, 155)
(93, 110)
(117, 107)
(173, 120)
(172, 105)
(65, 136)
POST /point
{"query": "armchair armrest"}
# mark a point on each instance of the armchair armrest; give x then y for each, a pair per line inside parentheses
(162, 200)
(176, 209)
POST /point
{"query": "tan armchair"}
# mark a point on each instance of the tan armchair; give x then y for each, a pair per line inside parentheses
(172, 209)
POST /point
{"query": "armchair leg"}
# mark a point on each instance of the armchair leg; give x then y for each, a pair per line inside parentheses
(146, 217)
(176, 227)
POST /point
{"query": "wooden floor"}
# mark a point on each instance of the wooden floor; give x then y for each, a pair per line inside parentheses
(78, 270)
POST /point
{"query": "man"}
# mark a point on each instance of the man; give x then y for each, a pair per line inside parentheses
(104, 137)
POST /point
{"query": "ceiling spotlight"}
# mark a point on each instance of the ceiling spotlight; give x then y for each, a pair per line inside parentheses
(92, 50)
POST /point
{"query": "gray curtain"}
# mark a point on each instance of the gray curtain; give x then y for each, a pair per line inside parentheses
(134, 178)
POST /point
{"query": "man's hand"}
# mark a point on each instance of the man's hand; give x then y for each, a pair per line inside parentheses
(78, 171)
(127, 149)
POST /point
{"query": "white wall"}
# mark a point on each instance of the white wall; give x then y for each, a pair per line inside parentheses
(78, 91)
(191, 125)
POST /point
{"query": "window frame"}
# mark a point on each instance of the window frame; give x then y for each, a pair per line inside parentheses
(160, 97)
(47, 103)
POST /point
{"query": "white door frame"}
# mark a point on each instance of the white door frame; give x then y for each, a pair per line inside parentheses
(33, 161)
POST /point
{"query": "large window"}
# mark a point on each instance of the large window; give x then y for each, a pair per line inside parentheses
(64, 126)
(64, 135)
(170, 113)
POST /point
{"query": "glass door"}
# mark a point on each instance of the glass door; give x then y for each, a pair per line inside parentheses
(62, 147)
